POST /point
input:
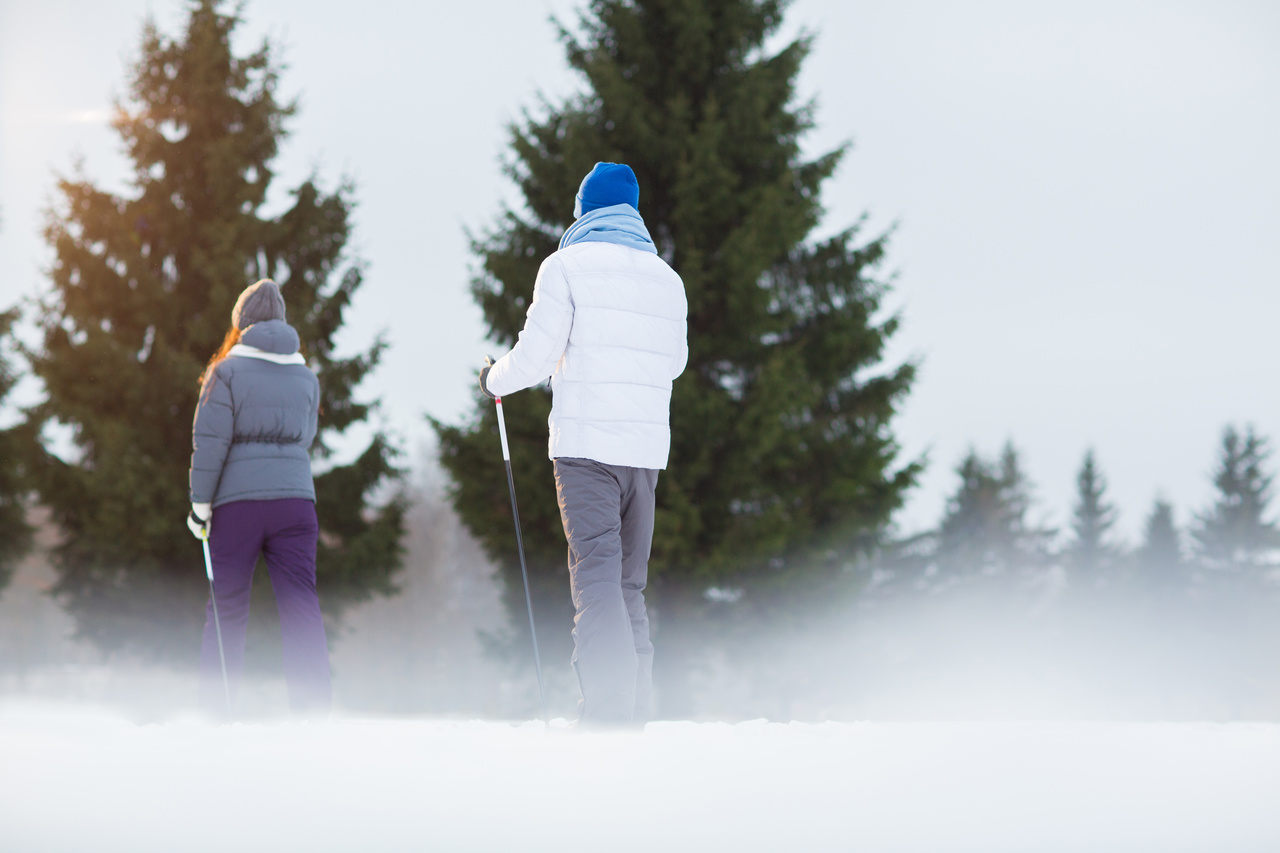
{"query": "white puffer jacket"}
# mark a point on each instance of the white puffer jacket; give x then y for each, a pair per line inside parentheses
(607, 324)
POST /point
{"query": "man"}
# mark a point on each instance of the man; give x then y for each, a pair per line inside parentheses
(607, 324)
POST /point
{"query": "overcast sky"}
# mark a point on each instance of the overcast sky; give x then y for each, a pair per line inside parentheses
(1087, 198)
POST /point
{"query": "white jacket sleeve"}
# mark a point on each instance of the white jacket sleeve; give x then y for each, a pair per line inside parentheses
(682, 356)
(545, 335)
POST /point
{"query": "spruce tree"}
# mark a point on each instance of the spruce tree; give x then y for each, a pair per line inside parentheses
(783, 462)
(142, 288)
(15, 533)
(1027, 543)
(1090, 553)
(1159, 559)
(974, 518)
(1234, 534)
(985, 529)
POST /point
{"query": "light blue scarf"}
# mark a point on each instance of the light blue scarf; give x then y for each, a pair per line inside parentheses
(620, 223)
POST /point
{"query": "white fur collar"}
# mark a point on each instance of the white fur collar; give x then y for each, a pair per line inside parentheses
(253, 352)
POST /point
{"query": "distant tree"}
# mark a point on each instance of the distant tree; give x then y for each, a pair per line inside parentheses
(974, 519)
(985, 529)
(783, 458)
(1027, 545)
(142, 290)
(1090, 552)
(15, 533)
(1159, 559)
(1234, 534)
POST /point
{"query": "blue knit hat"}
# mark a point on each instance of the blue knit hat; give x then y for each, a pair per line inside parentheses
(605, 185)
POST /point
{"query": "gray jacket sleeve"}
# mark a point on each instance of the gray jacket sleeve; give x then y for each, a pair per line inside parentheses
(313, 419)
(211, 437)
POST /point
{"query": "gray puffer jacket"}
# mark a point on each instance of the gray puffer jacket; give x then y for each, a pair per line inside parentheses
(255, 421)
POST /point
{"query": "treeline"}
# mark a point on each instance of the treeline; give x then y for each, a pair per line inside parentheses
(989, 529)
(993, 613)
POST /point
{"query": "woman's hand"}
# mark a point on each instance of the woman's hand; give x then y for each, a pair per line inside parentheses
(198, 520)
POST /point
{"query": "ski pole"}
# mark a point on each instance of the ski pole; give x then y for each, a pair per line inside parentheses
(524, 572)
(217, 623)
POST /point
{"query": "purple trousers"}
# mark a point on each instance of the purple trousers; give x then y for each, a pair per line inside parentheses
(284, 532)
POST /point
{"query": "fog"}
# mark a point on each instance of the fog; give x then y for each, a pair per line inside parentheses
(995, 712)
(887, 640)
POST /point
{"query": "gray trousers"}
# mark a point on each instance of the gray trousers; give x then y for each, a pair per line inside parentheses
(607, 511)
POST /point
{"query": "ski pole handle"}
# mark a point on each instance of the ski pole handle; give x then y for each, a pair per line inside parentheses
(502, 430)
(208, 560)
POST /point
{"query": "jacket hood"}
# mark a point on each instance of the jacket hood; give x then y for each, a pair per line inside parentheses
(274, 336)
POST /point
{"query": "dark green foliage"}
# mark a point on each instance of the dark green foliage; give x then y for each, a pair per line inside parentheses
(1159, 559)
(985, 530)
(15, 534)
(1235, 534)
(143, 286)
(1090, 553)
(783, 463)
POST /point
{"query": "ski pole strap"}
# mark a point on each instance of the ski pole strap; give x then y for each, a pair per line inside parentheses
(502, 430)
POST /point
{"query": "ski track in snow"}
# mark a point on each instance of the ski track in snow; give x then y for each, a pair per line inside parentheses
(74, 779)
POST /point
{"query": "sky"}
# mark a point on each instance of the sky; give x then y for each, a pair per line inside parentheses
(1085, 196)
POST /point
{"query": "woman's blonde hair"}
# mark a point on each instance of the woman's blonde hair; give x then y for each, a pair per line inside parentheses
(232, 338)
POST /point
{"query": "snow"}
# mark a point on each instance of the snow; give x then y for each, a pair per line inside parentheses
(74, 778)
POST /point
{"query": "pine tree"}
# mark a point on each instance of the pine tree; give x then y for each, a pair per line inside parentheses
(142, 289)
(15, 533)
(985, 529)
(1159, 559)
(783, 461)
(1234, 534)
(974, 518)
(1090, 553)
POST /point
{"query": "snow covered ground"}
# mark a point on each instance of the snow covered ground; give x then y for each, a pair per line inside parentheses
(77, 779)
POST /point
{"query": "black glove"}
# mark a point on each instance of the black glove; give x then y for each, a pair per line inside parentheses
(484, 375)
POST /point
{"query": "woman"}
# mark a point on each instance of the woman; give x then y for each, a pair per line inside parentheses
(252, 492)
